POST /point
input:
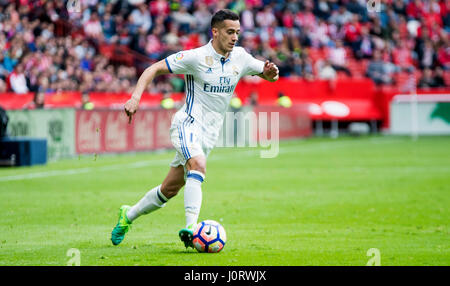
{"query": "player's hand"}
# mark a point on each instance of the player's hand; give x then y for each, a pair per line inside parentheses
(270, 70)
(131, 107)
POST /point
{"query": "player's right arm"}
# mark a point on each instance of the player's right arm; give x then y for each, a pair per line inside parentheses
(179, 63)
(144, 80)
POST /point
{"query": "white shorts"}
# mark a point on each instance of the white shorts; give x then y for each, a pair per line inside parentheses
(190, 139)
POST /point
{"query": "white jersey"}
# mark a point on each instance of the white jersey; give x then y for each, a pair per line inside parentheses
(210, 81)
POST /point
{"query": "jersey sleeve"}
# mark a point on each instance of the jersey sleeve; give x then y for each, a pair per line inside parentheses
(182, 62)
(252, 66)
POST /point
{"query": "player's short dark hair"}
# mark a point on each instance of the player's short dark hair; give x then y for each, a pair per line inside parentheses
(223, 15)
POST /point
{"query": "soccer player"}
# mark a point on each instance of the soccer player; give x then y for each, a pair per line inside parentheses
(211, 73)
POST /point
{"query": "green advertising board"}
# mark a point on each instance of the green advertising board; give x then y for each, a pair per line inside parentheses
(423, 118)
(56, 125)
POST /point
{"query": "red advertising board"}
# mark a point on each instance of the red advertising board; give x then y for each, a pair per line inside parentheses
(108, 131)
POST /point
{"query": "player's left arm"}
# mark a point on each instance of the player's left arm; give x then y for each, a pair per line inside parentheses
(270, 72)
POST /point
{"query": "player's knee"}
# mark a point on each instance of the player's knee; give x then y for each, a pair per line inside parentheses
(197, 164)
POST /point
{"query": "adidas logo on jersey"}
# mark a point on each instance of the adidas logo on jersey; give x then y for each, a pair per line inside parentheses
(209, 70)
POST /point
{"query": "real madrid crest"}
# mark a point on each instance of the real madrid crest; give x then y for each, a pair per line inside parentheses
(209, 60)
(235, 70)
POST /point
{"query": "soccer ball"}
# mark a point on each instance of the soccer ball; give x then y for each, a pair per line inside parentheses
(209, 236)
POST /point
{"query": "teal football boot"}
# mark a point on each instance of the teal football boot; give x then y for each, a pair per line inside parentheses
(187, 235)
(122, 226)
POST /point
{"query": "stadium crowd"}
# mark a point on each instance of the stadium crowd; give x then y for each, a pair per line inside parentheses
(38, 54)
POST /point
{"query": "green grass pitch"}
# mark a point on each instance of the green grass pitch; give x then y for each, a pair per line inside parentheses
(319, 202)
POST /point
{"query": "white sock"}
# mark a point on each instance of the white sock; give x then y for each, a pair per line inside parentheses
(193, 197)
(153, 200)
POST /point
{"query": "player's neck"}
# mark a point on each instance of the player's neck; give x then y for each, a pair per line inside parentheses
(218, 50)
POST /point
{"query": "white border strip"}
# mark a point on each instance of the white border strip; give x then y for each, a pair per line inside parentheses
(422, 98)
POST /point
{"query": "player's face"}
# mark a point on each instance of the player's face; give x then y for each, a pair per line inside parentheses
(227, 34)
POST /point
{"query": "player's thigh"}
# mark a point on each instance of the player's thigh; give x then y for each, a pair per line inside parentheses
(187, 141)
(173, 182)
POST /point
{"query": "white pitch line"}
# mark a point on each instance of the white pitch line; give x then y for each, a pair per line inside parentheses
(161, 162)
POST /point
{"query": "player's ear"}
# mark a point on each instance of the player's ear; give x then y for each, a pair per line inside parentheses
(215, 31)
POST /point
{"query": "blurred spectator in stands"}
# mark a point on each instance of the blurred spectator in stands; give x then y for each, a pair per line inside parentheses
(427, 55)
(287, 19)
(357, 7)
(399, 7)
(427, 80)
(326, 70)
(253, 98)
(305, 19)
(153, 46)
(445, 12)
(352, 33)
(31, 35)
(87, 62)
(85, 101)
(140, 17)
(33, 80)
(247, 19)
(203, 18)
(365, 46)
(414, 9)
(439, 78)
(443, 54)
(402, 55)
(341, 16)
(38, 101)
(338, 58)
(319, 34)
(3, 71)
(93, 28)
(420, 41)
(109, 28)
(3, 87)
(379, 70)
(9, 62)
(265, 18)
(323, 9)
(302, 67)
(308, 70)
(378, 31)
(159, 8)
(171, 39)
(185, 20)
(18, 80)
